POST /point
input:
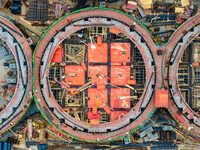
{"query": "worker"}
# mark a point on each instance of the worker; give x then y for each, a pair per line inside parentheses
(10, 73)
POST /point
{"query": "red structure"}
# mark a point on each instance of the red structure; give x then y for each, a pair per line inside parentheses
(120, 52)
(161, 98)
(97, 97)
(120, 75)
(97, 53)
(101, 72)
(57, 57)
(75, 75)
(116, 101)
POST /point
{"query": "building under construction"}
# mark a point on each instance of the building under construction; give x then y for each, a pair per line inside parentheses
(101, 75)
(16, 74)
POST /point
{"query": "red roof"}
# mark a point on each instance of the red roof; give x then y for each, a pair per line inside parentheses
(107, 109)
(120, 52)
(116, 114)
(92, 116)
(97, 53)
(100, 71)
(97, 97)
(74, 75)
(115, 102)
(114, 31)
(161, 98)
(57, 57)
(119, 75)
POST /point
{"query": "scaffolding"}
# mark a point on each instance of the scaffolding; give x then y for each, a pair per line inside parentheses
(196, 51)
(76, 100)
(139, 74)
(57, 93)
(196, 75)
(196, 98)
(183, 75)
(103, 117)
(185, 56)
(118, 37)
(79, 115)
(185, 94)
(74, 53)
(8, 76)
(189, 74)
(137, 94)
(55, 72)
(93, 32)
(38, 10)
(137, 56)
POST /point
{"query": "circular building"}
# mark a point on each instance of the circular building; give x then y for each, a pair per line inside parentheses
(94, 75)
(16, 75)
(183, 75)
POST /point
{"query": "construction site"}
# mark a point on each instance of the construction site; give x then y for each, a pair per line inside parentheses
(100, 74)
(89, 78)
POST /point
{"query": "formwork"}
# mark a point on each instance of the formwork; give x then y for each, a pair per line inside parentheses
(98, 70)
(97, 53)
(98, 98)
(120, 75)
(118, 98)
(38, 10)
(120, 52)
(58, 56)
(75, 75)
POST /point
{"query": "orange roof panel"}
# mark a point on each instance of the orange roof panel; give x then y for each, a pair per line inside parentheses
(74, 75)
(94, 121)
(100, 87)
(94, 109)
(161, 98)
(99, 72)
(57, 57)
(97, 97)
(93, 116)
(117, 114)
(99, 40)
(115, 102)
(83, 66)
(119, 75)
(114, 31)
(115, 64)
(97, 53)
(180, 118)
(133, 82)
(96, 81)
(120, 52)
(195, 64)
(107, 109)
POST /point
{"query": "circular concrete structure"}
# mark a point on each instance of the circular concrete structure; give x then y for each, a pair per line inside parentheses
(43, 55)
(23, 91)
(176, 47)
